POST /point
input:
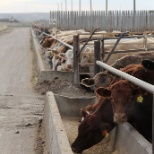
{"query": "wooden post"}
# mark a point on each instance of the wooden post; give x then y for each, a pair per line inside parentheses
(76, 58)
(97, 56)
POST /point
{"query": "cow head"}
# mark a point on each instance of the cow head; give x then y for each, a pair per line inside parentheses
(102, 79)
(47, 42)
(90, 132)
(122, 95)
(148, 64)
(70, 58)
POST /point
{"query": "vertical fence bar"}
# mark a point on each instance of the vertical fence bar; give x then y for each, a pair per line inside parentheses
(102, 48)
(153, 125)
(76, 58)
(96, 56)
(138, 21)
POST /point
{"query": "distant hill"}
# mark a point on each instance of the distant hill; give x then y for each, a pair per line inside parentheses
(26, 17)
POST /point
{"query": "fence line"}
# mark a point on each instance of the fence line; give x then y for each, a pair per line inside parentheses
(138, 21)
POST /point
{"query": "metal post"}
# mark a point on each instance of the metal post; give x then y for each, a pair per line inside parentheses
(61, 6)
(106, 6)
(50, 15)
(58, 6)
(122, 34)
(65, 5)
(79, 5)
(90, 5)
(153, 125)
(145, 42)
(71, 5)
(134, 6)
(103, 50)
(76, 58)
(97, 56)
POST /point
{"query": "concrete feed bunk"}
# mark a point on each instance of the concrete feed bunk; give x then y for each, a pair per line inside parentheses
(60, 132)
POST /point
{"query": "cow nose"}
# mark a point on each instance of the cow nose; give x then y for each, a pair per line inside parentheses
(75, 150)
(69, 66)
(120, 118)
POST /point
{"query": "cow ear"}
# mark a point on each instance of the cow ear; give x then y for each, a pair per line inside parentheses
(103, 92)
(55, 51)
(148, 64)
(62, 54)
(87, 82)
(138, 94)
(84, 113)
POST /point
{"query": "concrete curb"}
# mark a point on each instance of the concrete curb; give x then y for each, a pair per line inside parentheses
(55, 135)
(130, 141)
(39, 63)
(71, 106)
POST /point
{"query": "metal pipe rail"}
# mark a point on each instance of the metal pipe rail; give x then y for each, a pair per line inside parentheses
(138, 82)
(69, 46)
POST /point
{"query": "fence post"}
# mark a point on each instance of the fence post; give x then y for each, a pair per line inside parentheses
(97, 68)
(102, 49)
(145, 42)
(76, 58)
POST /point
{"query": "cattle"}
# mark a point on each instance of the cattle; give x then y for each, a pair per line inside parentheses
(148, 64)
(46, 42)
(87, 56)
(121, 90)
(94, 127)
(93, 107)
(131, 103)
(56, 59)
(132, 59)
(101, 79)
(70, 32)
(67, 65)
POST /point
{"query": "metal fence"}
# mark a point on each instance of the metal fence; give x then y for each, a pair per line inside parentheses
(138, 21)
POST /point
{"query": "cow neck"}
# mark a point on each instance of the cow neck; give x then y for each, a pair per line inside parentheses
(105, 111)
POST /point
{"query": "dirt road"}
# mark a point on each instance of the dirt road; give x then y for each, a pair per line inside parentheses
(20, 107)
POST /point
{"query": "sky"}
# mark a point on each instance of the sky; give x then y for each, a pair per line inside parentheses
(26, 6)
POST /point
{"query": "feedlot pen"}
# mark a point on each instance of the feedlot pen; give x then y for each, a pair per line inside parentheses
(74, 121)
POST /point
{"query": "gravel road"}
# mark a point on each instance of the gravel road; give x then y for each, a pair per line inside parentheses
(20, 107)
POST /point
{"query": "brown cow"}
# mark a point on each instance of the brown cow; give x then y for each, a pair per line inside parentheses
(122, 91)
(131, 104)
(46, 43)
(94, 127)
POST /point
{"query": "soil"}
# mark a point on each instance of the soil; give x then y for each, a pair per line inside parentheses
(62, 87)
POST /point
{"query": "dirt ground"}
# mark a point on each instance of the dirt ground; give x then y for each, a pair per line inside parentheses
(21, 108)
(62, 87)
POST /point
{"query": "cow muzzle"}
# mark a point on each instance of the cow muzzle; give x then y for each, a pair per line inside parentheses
(76, 150)
(69, 66)
(120, 118)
